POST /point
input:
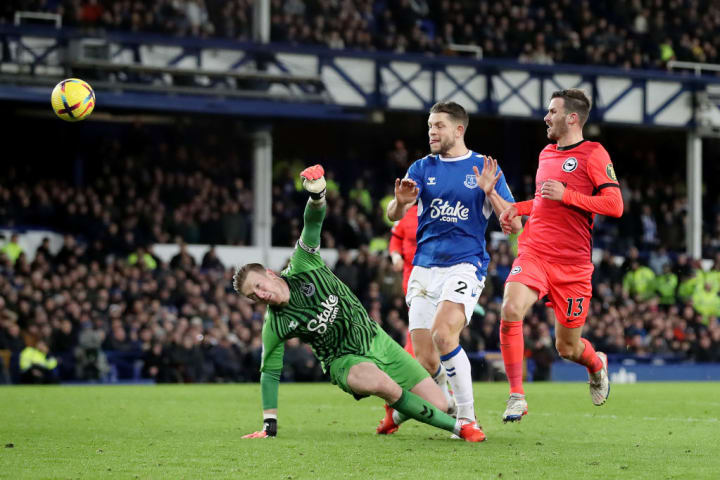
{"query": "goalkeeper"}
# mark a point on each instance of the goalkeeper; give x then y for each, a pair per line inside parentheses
(308, 302)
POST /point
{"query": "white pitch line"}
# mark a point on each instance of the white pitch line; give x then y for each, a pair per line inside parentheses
(616, 417)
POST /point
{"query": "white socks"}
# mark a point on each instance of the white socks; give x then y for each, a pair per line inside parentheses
(441, 378)
(457, 366)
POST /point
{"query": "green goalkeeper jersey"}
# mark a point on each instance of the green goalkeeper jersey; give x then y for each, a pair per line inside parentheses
(322, 310)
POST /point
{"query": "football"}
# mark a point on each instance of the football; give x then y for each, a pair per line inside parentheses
(73, 99)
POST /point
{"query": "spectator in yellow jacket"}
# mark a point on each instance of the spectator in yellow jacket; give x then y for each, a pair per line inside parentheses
(12, 248)
(36, 366)
(639, 282)
(706, 302)
(666, 285)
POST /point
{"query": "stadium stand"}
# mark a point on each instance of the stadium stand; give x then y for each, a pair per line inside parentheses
(643, 34)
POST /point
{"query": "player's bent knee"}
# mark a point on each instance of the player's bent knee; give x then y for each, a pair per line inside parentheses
(512, 311)
(363, 379)
(444, 339)
(368, 379)
(366, 386)
(446, 332)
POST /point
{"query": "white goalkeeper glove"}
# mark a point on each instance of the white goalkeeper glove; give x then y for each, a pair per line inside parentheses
(314, 181)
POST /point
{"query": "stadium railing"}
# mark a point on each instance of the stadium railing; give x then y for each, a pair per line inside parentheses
(365, 81)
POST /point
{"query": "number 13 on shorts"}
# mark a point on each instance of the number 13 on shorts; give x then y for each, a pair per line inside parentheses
(575, 307)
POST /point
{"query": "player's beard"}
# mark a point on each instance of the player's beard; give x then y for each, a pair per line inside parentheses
(557, 131)
(443, 147)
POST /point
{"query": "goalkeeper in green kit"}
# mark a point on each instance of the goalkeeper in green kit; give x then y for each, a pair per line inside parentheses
(309, 302)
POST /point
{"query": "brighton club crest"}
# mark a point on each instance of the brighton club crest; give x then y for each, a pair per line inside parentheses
(308, 289)
(470, 181)
(570, 164)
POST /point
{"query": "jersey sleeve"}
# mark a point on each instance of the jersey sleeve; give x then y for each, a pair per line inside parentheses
(273, 347)
(601, 170)
(525, 208)
(271, 366)
(306, 256)
(415, 173)
(607, 200)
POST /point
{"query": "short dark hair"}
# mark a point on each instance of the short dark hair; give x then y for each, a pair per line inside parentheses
(242, 272)
(575, 102)
(455, 110)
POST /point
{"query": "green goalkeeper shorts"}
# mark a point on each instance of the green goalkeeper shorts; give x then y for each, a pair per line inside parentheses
(389, 356)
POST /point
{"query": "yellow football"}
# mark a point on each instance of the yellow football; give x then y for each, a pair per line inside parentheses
(73, 100)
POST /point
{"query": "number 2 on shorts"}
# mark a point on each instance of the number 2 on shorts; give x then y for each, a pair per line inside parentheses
(462, 286)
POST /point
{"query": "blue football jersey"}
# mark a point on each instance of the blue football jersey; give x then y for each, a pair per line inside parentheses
(453, 211)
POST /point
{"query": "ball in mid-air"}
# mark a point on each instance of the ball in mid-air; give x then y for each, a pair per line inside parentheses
(73, 99)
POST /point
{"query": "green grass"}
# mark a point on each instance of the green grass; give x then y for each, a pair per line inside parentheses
(650, 430)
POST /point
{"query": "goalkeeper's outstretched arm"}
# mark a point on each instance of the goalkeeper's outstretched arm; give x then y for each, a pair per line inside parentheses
(314, 183)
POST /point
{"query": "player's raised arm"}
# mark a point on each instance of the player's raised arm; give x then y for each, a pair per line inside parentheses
(488, 181)
(314, 182)
(406, 191)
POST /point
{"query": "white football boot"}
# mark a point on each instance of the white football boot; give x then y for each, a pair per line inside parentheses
(516, 408)
(600, 382)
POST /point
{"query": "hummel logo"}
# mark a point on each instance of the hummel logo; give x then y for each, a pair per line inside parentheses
(432, 181)
(293, 324)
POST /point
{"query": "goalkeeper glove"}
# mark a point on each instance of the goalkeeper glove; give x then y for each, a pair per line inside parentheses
(314, 181)
(269, 430)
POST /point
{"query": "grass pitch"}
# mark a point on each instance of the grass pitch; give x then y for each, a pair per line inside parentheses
(650, 430)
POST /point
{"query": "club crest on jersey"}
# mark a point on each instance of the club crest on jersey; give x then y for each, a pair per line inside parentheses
(570, 164)
(470, 181)
(308, 289)
(516, 270)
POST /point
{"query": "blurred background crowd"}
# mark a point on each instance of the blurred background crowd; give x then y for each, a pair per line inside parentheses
(104, 306)
(633, 34)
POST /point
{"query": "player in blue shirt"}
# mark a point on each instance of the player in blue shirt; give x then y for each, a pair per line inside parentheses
(457, 191)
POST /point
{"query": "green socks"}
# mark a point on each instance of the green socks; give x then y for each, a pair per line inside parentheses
(411, 405)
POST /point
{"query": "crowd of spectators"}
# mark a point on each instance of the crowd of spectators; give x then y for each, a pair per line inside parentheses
(179, 321)
(145, 191)
(630, 34)
(106, 306)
